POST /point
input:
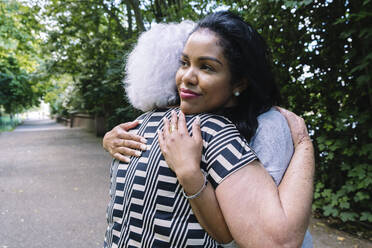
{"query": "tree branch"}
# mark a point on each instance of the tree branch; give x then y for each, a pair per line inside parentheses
(120, 28)
(137, 13)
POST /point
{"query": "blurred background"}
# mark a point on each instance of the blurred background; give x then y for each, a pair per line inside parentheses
(64, 60)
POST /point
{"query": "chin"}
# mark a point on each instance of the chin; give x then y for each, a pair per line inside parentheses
(189, 110)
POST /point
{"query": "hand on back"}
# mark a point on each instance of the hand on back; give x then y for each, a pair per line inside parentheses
(122, 144)
(297, 126)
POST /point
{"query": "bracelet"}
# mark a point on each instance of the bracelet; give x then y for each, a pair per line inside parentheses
(200, 190)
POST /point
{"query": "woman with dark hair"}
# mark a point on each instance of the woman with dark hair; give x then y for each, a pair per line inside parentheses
(151, 202)
(246, 53)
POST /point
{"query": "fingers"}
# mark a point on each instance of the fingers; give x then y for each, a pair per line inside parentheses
(182, 127)
(166, 130)
(294, 121)
(129, 125)
(128, 152)
(296, 125)
(130, 144)
(121, 157)
(161, 141)
(196, 132)
(290, 116)
(173, 122)
(122, 131)
(130, 136)
(280, 109)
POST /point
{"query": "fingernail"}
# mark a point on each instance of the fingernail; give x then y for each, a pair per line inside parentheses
(138, 153)
(127, 160)
(143, 140)
(197, 120)
(143, 147)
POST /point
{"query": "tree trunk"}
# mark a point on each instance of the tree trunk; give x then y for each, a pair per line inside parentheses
(130, 23)
(137, 13)
(120, 28)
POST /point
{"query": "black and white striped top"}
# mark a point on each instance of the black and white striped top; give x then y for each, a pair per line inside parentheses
(147, 208)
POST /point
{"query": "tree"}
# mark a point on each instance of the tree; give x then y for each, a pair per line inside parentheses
(322, 60)
(89, 40)
(18, 57)
(321, 54)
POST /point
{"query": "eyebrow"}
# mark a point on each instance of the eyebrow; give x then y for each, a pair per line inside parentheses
(205, 58)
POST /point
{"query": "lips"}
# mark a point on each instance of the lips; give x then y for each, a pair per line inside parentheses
(188, 94)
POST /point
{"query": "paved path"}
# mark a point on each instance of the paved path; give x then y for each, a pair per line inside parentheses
(54, 185)
(54, 189)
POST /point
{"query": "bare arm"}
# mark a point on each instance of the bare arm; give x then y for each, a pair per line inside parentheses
(296, 187)
(205, 206)
(260, 215)
(121, 144)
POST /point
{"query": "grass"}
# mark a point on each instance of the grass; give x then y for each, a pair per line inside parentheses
(7, 124)
(355, 228)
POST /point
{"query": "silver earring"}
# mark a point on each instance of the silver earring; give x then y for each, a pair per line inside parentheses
(236, 93)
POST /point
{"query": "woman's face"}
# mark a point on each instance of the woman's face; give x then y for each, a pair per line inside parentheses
(204, 79)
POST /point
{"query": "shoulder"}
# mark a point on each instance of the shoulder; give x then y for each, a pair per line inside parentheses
(150, 121)
(272, 119)
(225, 150)
(215, 122)
(273, 143)
(218, 121)
(215, 127)
(156, 113)
(272, 125)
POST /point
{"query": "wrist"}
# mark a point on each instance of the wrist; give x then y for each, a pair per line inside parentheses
(191, 181)
(199, 192)
(305, 146)
(304, 141)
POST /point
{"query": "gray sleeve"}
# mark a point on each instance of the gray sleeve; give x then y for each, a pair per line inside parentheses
(274, 148)
(273, 143)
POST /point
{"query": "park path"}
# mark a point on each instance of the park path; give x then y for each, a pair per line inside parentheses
(54, 185)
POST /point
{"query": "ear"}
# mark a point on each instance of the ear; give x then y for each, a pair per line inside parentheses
(240, 87)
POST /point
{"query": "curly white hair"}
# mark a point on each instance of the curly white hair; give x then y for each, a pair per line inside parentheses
(152, 65)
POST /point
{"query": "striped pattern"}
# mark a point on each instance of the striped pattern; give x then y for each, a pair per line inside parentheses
(147, 208)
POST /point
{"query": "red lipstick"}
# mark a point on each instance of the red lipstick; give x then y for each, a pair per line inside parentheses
(188, 94)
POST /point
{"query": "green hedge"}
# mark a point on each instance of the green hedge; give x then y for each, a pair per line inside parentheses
(7, 123)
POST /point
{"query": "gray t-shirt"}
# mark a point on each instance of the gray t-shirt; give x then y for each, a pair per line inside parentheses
(273, 143)
(274, 148)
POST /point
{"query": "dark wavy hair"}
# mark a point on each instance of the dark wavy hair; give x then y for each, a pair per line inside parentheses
(247, 55)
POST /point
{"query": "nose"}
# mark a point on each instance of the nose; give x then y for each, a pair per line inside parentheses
(189, 76)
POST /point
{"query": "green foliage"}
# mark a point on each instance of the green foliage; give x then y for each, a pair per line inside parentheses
(16, 91)
(8, 123)
(18, 57)
(89, 41)
(322, 59)
(321, 54)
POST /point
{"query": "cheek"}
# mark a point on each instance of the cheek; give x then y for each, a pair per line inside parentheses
(220, 93)
(178, 77)
(220, 88)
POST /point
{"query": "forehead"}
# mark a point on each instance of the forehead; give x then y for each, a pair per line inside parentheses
(203, 43)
